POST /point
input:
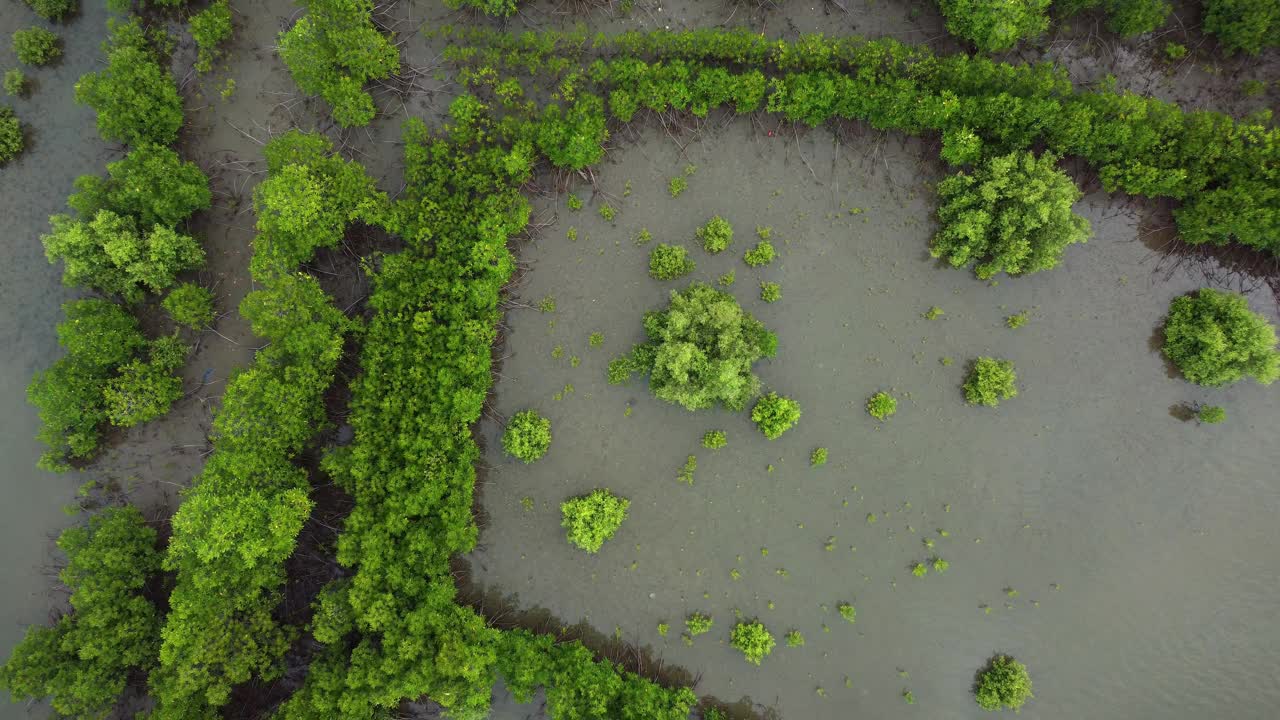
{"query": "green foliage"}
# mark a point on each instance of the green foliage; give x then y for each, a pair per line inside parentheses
(11, 141)
(15, 82)
(210, 28)
(760, 255)
(686, 473)
(82, 663)
(919, 569)
(1174, 51)
(333, 50)
(1003, 684)
(934, 313)
(698, 624)
(993, 25)
(152, 185)
(608, 212)
(98, 337)
(1214, 339)
(574, 202)
(143, 391)
(573, 138)
(753, 640)
(135, 95)
(818, 457)
(677, 186)
(1211, 414)
(716, 235)
(714, 439)
(668, 262)
(53, 9)
(496, 8)
(700, 351)
(1013, 214)
(1248, 25)
(36, 46)
(989, 381)
(527, 437)
(795, 639)
(190, 305)
(770, 292)
(775, 414)
(940, 565)
(595, 340)
(848, 612)
(110, 253)
(593, 518)
(727, 279)
(1013, 322)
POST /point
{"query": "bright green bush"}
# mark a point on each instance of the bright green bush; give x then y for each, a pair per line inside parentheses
(1211, 414)
(333, 51)
(775, 414)
(82, 662)
(1012, 214)
(573, 138)
(770, 292)
(210, 28)
(753, 639)
(700, 351)
(592, 519)
(110, 253)
(714, 440)
(497, 8)
(995, 25)
(1248, 25)
(35, 46)
(151, 184)
(1003, 684)
(848, 612)
(190, 305)
(760, 255)
(1214, 339)
(53, 9)
(989, 381)
(143, 391)
(716, 235)
(668, 262)
(882, 405)
(527, 437)
(15, 82)
(698, 624)
(135, 95)
(818, 457)
(11, 142)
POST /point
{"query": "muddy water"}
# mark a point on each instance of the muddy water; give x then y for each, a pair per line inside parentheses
(1123, 554)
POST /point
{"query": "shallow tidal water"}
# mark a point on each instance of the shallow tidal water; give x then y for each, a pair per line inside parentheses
(1125, 555)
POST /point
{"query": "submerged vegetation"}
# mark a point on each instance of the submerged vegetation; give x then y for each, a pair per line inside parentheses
(592, 519)
(882, 405)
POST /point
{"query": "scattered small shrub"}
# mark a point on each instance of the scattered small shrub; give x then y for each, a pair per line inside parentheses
(940, 565)
(753, 640)
(15, 82)
(1253, 88)
(716, 235)
(686, 473)
(668, 262)
(1211, 414)
(1214, 339)
(112, 254)
(663, 629)
(608, 212)
(919, 569)
(53, 9)
(547, 304)
(1004, 684)
(727, 279)
(882, 405)
(575, 202)
(848, 612)
(595, 340)
(35, 46)
(210, 28)
(677, 186)
(11, 142)
(934, 313)
(714, 440)
(527, 437)
(760, 255)
(770, 292)
(764, 232)
(908, 697)
(775, 414)
(990, 381)
(592, 519)
(190, 305)
(1174, 51)
(698, 624)
(1013, 322)
(795, 639)
(642, 237)
(818, 457)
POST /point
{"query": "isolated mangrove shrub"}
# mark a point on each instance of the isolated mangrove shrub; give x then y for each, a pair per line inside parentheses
(1211, 414)
(882, 405)
(760, 255)
(698, 624)
(82, 662)
(592, 519)
(716, 235)
(770, 292)
(527, 437)
(700, 350)
(35, 46)
(151, 184)
(209, 29)
(1248, 25)
(753, 640)
(668, 262)
(189, 305)
(53, 9)
(143, 391)
(11, 142)
(1003, 684)
(995, 25)
(110, 253)
(714, 440)
(496, 8)
(135, 96)
(848, 612)
(989, 381)
(775, 414)
(1215, 339)
(15, 82)
(1011, 214)
(333, 50)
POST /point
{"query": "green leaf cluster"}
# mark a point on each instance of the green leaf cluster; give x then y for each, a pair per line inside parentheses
(495, 8)
(53, 9)
(135, 96)
(775, 414)
(527, 437)
(210, 28)
(989, 381)
(668, 262)
(1003, 684)
(1248, 25)
(1215, 339)
(15, 82)
(760, 255)
(753, 640)
(698, 624)
(995, 25)
(700, 351)
(715, 235)
(593, 518)
(82, 662)
(35, 46)
(190, 305)
(882, 405)
(1211, 414)
(1012, 214)
(714, 440)
(11, 140)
